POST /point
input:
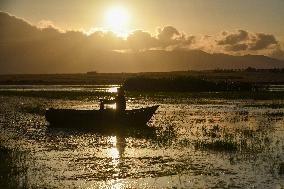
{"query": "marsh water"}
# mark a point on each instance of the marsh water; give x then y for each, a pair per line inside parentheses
(197, 143)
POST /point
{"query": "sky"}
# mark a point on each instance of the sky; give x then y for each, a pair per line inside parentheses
(190, 16)
(109, 35)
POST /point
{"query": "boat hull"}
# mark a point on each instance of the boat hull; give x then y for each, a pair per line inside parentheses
(99, 119)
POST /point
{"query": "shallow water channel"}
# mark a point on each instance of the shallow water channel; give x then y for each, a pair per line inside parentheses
(204, 143)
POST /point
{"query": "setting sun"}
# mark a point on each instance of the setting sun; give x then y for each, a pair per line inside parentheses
(117, 20)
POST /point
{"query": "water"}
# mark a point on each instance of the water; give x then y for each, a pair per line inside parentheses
(82, 88)
(213, 144)
(275, 87)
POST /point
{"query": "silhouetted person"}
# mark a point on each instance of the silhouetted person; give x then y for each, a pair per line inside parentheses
(102, 104)
(119, 100)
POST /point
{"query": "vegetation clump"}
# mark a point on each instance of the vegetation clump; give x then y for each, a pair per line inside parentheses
(37, 109)
(281, 169)
(217, 145)
(184, 84)
(13, 169)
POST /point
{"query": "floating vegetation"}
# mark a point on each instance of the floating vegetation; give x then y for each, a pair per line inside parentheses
(272, 106)
(281, 169)
(183, 84)
(232, 139)
(275, 114)
(213, 133)
(34, 109)
(166, 135)
(13, 170)
(217, 145)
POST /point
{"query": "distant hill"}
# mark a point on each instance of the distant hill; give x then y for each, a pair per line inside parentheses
(25, 48)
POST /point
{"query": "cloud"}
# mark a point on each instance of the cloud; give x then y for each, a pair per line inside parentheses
(278, 53)
(170, 37)
(233, 38)
(141, 40)
(245, 42)
(167, 33)
(106, 41)
(262, 41)
(45, 46)
(167, 38)
(45, 24)
(234, 41)
(15, 29)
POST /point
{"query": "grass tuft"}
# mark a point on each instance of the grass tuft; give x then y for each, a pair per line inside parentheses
(217, 145)
(281, 168)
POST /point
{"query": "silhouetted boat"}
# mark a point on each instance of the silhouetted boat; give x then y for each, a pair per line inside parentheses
(99, 119)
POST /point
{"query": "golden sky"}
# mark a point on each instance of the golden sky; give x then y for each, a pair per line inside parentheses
(139, 35)
(190, 16)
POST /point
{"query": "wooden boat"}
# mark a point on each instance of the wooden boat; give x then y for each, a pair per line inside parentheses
(99, 119)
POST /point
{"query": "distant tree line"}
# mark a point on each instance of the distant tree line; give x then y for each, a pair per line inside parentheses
(184, 84)
(250, 69)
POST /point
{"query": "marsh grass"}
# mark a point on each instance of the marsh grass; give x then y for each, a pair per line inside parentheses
(217, 145)
(34, 109)
(165, 135)
(281, 168)
(260, 95)
(272, 106)
(219, 138)
(13, 170)
(275, 114)
(184, 84)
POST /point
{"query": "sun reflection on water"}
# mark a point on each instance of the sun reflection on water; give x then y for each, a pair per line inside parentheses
(113, 152)
(111, 106)
(114, 155)
(112, 90)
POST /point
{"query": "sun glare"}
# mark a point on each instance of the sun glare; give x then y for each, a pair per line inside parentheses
(112, 90)
(117, 20)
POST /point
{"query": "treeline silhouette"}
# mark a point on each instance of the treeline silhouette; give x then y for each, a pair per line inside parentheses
(250, 69)
(184, 84)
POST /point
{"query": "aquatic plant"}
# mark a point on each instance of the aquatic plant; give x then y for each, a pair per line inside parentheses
(34, 109)
(184, 84)
(281, 168)
(12, 168)
(224, 139)
(273, 106)
(217, 145)
(165, 136)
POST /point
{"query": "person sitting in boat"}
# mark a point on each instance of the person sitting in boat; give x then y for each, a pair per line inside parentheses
(119, 100)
